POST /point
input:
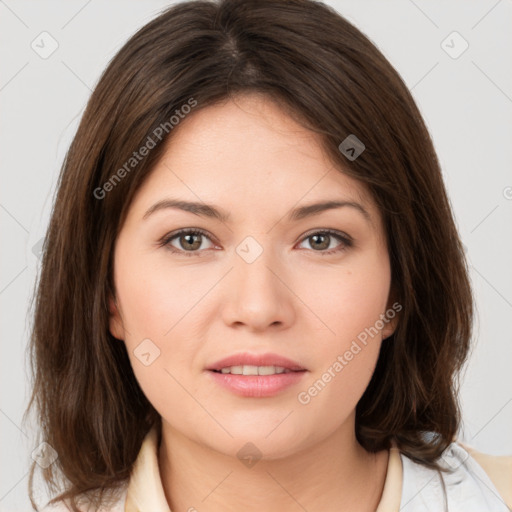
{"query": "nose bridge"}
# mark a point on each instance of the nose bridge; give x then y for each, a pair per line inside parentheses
(258, 297)
(253, 263)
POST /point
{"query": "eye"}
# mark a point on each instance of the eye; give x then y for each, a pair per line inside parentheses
(189, 240)
(321, 240)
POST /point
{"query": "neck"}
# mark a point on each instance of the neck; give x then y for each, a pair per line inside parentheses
(196, 477)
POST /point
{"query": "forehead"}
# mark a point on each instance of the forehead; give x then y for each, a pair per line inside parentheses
(248, 153)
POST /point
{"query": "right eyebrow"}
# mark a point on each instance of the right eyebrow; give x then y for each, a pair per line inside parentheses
(201, 209)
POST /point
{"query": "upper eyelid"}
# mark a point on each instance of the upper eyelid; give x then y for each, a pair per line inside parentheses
(329, 231)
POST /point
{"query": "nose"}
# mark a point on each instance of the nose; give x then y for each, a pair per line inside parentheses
(257, 294)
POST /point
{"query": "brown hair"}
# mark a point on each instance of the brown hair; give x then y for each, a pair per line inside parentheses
(327, 74)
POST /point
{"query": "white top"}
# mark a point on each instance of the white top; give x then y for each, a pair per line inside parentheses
(468, 488)
(409, 486)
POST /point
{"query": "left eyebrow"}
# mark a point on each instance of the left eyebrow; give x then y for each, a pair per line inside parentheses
(208, 210)
(316, 208)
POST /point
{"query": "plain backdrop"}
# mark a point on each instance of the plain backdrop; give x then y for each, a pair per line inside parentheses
(464, 94)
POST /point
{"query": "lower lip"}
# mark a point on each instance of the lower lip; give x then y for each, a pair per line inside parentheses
(257, 386)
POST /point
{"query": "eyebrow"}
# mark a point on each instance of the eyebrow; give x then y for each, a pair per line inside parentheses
(211, 211)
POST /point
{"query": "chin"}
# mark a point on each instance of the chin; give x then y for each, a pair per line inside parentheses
(255, 443)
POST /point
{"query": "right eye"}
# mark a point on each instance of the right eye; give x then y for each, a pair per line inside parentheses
(190, 241)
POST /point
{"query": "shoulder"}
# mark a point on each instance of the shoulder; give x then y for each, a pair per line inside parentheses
(468, 484)
(64, 506)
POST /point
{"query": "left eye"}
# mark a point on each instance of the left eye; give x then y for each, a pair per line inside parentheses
(322, 240)
(190, 241)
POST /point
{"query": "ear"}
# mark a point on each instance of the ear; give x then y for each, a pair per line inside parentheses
(392, 316)
(116, 326)
(389, 329)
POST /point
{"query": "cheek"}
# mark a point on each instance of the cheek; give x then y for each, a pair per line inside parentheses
(155, 297)
(157, 309)
(350, 304)
(350, 299)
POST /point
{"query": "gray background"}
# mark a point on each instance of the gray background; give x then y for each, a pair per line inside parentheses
(466, 102)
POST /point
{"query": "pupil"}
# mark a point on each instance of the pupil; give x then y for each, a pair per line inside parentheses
(324, 246)
(188, 241)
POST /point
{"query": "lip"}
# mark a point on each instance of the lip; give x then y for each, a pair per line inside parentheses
(256, 386)
(268, 359)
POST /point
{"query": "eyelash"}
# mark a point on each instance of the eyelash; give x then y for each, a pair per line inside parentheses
(167, 239)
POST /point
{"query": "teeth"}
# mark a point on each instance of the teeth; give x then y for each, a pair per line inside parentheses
(254, 370)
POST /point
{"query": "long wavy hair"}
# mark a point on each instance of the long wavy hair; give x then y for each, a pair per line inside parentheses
(332, 79)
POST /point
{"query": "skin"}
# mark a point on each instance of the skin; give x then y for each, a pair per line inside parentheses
(249, 158)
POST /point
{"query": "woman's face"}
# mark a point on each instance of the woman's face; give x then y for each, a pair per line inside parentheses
(261, 281)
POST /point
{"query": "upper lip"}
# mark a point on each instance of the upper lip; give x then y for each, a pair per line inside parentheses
(246, 359)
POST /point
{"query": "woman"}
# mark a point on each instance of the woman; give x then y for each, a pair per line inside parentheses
(253, 293)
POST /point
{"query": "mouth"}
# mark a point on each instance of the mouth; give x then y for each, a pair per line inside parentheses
(255, 370)
(255, 364)
(256, 376)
